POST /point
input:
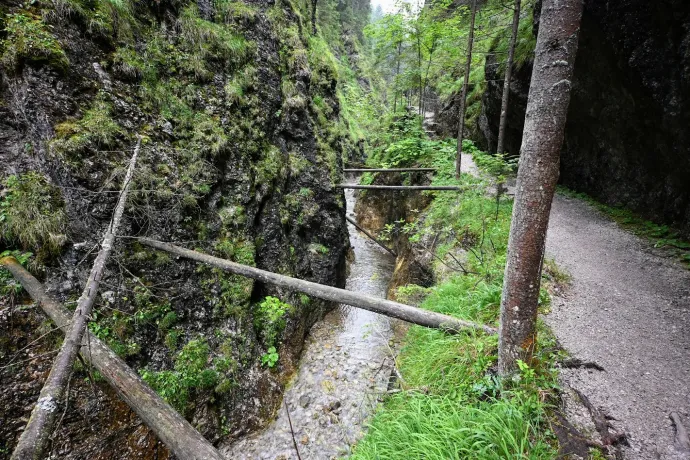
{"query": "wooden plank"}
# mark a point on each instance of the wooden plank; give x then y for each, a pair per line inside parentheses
(385, 307)
(399, 187)
(376, 240)
(389, 170)
(169, 426)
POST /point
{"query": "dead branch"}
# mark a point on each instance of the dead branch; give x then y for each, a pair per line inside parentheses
(35, 437)
(169, 426)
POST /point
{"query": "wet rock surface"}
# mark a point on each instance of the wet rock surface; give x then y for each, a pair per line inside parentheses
(344, 370)
(626, 138)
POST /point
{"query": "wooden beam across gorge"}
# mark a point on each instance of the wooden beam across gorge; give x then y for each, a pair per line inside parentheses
(389, 170)
(386, 307)
(399, 187)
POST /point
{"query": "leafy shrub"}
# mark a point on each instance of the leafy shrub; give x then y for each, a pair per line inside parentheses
(269, 319)
(32, 214)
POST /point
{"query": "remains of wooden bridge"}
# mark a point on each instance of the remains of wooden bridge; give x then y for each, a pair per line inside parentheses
(169, 426)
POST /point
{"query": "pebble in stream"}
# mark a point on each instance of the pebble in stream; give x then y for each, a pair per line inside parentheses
(344, 369)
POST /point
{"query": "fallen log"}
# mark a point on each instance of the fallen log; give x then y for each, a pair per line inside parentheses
(387, 170)
(399, 187)
(354, 222)
(385, 307)
(169, 426)
(34, 439)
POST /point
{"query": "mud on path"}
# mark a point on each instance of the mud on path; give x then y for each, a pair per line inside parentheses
(628, 310)
(344, 371)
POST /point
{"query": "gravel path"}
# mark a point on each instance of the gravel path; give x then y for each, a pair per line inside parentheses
(628, 310)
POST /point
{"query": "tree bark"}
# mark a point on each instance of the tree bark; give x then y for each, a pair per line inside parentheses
(169, 426)
(506, 80)
(34, 439)
(386, 307)
(463, 97)
(397, 72)
(547, 107)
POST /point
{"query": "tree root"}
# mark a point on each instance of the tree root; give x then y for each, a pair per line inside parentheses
(609, 435)
(576, 363)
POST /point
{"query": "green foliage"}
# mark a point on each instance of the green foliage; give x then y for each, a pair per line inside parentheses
(96, 129)
(29, 39)
(457, 407)
(270, 358)
(208, 41)
(191, 373)
(235, 290)
(108, 19)
(32, 214)
(10, 287)
(269, 319)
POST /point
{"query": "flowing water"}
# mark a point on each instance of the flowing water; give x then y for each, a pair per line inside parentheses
(344, 370)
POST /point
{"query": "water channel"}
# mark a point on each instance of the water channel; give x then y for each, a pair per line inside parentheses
(344, 371)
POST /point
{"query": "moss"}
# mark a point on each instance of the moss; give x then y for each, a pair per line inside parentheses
(30, 40)
(96, 129)
(270, 167)
(113, 20)
(235, 11)
(32, 214)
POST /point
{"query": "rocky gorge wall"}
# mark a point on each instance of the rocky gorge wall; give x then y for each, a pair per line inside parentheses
(626, 138)
(242, 145)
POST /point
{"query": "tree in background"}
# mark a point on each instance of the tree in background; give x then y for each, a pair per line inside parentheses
(506, 80)
(463, 95)
(547, 107)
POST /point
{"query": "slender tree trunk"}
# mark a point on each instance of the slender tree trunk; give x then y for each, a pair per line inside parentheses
(506, 80)
(313, 16)
(419, 69)
(170, 427)
(463, 97)
(397, 72)
(547, 107)
(34, 439)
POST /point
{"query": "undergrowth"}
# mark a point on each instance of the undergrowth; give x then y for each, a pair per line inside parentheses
(452, 404)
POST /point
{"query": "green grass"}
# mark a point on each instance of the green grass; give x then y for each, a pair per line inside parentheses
(452, 404)
(662, 236)
(29, 39)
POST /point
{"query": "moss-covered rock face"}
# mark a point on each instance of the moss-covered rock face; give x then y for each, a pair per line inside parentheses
(243, 142)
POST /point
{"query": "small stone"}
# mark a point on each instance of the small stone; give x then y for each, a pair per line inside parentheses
(304, 401)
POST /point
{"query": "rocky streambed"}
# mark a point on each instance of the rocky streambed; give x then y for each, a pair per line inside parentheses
(344, 370)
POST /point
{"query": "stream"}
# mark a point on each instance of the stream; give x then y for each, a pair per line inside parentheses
(344, 370)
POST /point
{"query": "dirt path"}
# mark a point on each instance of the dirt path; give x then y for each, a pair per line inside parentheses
(628, 310)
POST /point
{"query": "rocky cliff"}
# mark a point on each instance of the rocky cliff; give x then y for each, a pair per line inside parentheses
(242, 145)
(626, 140)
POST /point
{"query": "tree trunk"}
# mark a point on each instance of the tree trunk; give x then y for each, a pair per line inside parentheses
(547, 107)
(463, 97)
(397, 72)
(313, 16)
(401, 311)
(34, 439)
(506, 80)
(169, 426)
(419, 68)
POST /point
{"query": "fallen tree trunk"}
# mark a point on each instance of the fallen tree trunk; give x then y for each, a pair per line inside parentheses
(34, 440)
(385, 307)
(169, 426)
(354, 222)
(389, 170)
(400, 187)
